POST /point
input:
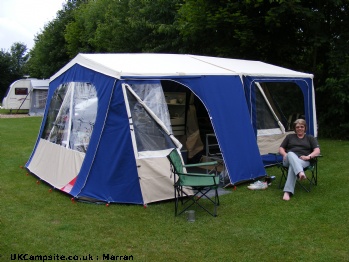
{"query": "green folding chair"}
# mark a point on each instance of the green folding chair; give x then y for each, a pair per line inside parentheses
(198, 183)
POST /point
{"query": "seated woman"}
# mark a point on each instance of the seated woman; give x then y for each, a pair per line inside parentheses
(297, 149)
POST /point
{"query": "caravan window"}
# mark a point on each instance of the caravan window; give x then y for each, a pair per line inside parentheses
(21, 91)
(72, 115)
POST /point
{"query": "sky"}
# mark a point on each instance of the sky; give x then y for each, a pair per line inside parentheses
(21, 20)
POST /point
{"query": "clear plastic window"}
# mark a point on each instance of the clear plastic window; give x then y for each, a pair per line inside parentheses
(149, 134)
(285, 99)
(72, 115)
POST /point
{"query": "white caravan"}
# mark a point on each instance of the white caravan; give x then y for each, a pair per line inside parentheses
(29, 94)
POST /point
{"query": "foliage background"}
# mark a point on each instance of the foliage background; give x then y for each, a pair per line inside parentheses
(305, 35)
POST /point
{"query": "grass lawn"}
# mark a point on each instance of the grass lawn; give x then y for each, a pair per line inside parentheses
(251, 225)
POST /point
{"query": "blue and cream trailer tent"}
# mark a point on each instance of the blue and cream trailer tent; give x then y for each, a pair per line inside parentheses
(111, 119)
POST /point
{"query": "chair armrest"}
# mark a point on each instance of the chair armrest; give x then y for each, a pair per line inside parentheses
(197, 174)
(314, 160)
(213, 163)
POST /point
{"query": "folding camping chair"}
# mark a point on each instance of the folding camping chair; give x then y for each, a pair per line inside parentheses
(200, 183)
(311, 177)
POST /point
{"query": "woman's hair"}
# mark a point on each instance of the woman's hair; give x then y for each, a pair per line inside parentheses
(300, 122)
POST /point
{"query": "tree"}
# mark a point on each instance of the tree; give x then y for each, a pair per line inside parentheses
(270, 31)
(50, 50)
(12, 65)
(81, 30)
(333, 91)
(6, 71)
(19, 57)
(124, 26)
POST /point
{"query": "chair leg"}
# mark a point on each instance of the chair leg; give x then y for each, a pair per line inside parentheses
(201, 193)
(180, 197)
(312, 180)
(283, 176)
(217, 197)
(215, 202)
(176, 199)
(308, 189)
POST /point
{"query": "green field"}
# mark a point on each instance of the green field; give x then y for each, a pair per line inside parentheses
(251, 225)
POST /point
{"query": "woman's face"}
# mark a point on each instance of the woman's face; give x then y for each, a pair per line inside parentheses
(300, 129)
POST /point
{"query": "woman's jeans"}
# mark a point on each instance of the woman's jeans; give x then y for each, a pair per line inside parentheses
(295, 166)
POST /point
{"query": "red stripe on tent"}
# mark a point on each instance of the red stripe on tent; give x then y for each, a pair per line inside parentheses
(68, 187)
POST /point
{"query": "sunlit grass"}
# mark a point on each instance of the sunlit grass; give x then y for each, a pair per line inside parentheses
(251, 225)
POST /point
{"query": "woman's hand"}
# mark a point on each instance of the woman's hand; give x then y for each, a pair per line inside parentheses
(305, 158)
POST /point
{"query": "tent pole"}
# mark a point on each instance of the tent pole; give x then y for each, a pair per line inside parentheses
(70, 115)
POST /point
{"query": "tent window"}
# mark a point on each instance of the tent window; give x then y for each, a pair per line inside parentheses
(153, 96)
(72, 115)
(287, 101)
(149, 135)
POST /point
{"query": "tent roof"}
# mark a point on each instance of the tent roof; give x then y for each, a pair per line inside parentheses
(147, 64)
